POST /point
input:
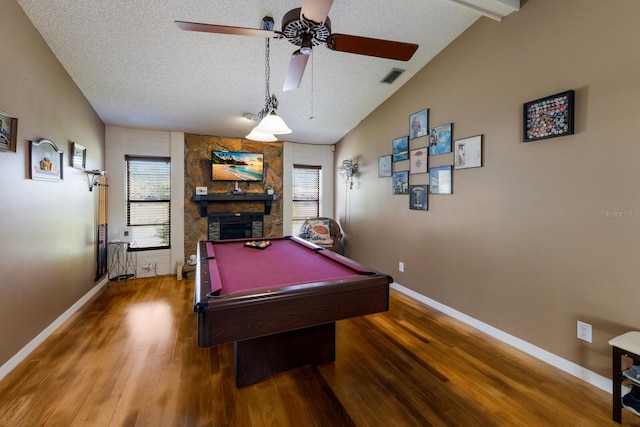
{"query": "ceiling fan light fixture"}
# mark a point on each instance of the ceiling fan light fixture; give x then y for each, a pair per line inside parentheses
(307, 44)
(272, 124)
(261, 136)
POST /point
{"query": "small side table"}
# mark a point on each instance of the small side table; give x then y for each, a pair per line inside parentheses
(627, 345)
(122, 263)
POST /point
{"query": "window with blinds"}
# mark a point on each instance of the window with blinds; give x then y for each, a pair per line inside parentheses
(306, 195)
(149, 201)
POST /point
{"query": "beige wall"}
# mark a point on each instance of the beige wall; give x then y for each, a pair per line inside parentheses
(47, 229)
(533, 241)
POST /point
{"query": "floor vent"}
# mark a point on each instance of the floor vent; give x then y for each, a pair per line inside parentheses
(392, 76)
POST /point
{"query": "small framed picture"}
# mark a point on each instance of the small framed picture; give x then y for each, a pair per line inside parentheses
(78, 156)
(8, 132)
(468, 152)
(440, 139)
(418, 124)
(401, 182)
(384, 166)
(45, 160)
(548, 117)
(418, 197)
(440, 179)
(400, 148)
(418, 160)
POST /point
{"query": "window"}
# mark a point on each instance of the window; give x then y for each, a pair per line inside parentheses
(149, 201)
(306, 195)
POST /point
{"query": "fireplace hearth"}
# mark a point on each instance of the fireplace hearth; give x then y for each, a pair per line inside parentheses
(235, 226)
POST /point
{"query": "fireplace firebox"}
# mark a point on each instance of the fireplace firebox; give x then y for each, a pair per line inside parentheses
(235, 226)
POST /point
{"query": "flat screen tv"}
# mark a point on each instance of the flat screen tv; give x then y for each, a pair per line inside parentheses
(234, 166)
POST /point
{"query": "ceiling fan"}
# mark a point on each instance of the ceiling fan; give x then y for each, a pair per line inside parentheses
(307, 27)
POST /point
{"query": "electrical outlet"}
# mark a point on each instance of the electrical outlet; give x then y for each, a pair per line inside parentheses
(401, 267)
(201, 191)
(584, 331)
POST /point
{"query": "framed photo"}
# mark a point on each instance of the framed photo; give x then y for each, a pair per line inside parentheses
(401, 182)
(440, 139)
(418, 124)
(440, 180)
(418, 197)
(468, 152)
(8, 132)
(384, 166)
(78, 156)
(400, 148)
(45, 160)
(418, 160)
(548, 117)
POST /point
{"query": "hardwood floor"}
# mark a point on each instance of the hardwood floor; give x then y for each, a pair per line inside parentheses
(129, 358)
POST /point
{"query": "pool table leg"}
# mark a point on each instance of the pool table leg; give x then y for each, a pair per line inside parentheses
(260, 357)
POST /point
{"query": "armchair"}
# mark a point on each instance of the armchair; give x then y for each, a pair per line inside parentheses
(323, 232)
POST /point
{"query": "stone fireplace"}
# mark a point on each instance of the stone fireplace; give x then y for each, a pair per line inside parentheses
(198, 174)
(235, 226)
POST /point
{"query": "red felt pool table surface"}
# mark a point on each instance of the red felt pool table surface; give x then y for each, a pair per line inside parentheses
(235, 267)
(274, 300)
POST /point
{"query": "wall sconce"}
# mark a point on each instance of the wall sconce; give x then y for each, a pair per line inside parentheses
(347, 170)
(93, 177)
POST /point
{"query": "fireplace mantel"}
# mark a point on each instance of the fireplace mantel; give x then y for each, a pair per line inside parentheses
(204, 200)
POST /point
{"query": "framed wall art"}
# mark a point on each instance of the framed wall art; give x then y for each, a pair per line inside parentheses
(401, 182)
(418, 197)
(45, 160)
(440, 179)
(418, 160)
(440, 139)
(468, 152)
(548, 117)
(78, 156)
(384, 166)
(8, 132)
(400, 148)
(418, 124)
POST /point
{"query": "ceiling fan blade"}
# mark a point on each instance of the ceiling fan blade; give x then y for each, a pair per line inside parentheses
(223, 29)
(316, 10)
(296, 69)
(371, 47)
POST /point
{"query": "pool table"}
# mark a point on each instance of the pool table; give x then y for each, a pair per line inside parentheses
(279, 304)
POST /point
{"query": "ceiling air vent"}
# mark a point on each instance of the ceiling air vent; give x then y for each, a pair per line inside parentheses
(392, 76)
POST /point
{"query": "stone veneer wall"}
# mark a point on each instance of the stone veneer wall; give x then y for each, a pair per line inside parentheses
(197, 172)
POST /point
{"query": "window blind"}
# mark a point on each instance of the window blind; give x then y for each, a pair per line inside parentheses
(149, 201)
(306, 195)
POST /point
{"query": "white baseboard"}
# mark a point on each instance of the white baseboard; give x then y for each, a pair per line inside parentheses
(39, 339)
(537, 352)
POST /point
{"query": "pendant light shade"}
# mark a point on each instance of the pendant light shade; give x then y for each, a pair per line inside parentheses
(272, 124)
(261, 136)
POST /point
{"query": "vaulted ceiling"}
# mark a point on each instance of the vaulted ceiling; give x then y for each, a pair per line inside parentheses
(138, 69)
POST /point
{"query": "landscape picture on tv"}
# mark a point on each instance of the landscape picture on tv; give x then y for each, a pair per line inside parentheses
(233, 166)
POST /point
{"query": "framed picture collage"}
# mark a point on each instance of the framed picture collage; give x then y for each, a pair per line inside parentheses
(410, 156)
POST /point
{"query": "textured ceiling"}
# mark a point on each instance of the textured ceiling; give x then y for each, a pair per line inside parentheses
(138, 69)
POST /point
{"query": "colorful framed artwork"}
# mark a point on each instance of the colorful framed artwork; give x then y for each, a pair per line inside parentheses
(8, 132)
(440, 139)
(401, 182)
(418, 124)
(548, 117)
(400, 148)
(440, 180)
(418, 160)
(45, 160)
(418, 197)
(384, 166)
(468, 152)
(78, 156)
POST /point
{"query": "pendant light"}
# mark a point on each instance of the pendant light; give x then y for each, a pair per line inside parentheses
(271, 124)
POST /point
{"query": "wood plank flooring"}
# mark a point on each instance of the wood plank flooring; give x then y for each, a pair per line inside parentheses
(130, 358)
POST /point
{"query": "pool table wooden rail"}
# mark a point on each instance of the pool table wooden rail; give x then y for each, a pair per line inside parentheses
(243, 316)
